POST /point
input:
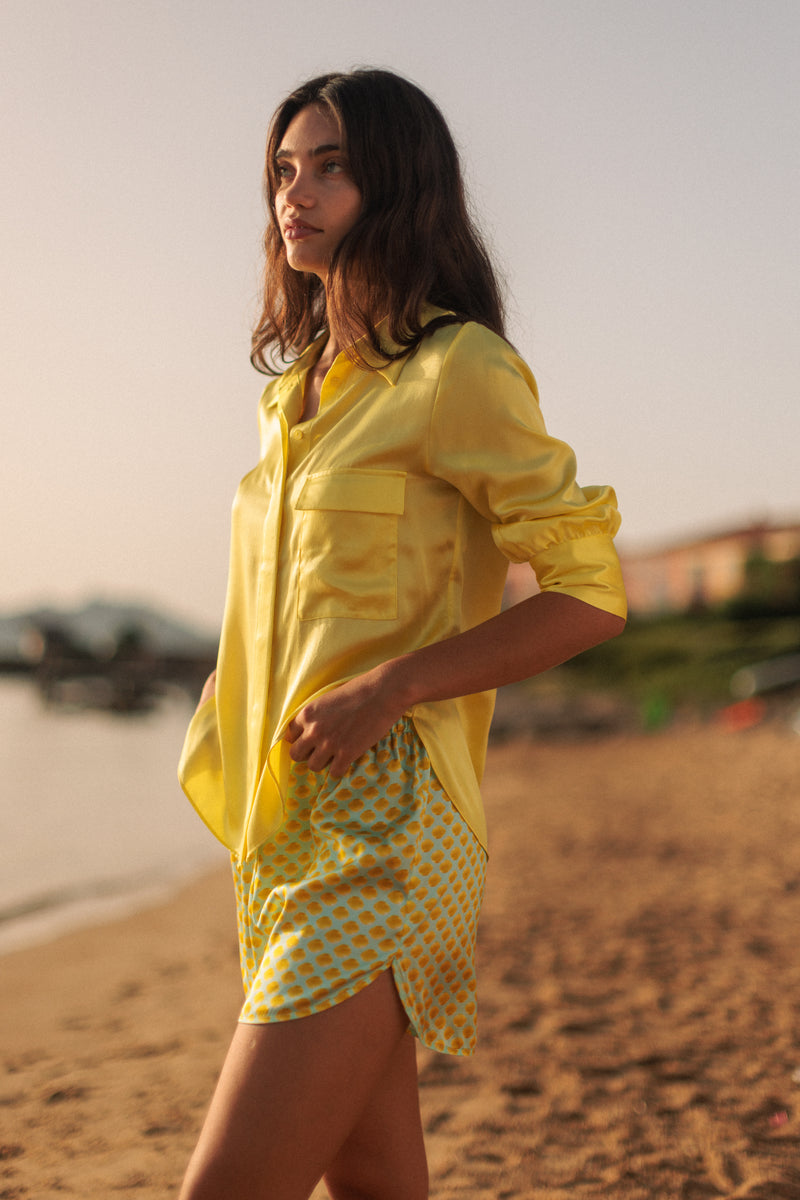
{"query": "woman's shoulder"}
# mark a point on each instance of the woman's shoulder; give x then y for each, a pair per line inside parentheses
(468, 339)
(470, 353)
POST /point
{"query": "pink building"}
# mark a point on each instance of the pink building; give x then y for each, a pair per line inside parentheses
(706, 571)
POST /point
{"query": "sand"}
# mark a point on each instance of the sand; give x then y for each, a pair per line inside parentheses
(639, 968)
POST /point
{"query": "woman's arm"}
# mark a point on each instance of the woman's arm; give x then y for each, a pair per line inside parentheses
(539, 633)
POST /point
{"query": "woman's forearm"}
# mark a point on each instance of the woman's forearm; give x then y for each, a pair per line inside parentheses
(520, 642)
(333, 729)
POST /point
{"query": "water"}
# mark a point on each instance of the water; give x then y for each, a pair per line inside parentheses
(92, 820)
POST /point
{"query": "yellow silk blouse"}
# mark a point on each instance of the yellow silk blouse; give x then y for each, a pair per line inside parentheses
(383, 524)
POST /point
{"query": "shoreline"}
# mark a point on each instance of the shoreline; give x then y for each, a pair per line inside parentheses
(44, 918)
(637, 984)
(96, 823)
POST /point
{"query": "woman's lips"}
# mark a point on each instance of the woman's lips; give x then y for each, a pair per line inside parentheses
(294, 230)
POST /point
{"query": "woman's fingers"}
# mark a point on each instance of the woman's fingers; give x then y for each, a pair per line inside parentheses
(333, 730)
(306, 745)
(318, 755)
(209, 687)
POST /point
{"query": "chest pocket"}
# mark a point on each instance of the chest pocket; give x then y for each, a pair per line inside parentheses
(348, 544)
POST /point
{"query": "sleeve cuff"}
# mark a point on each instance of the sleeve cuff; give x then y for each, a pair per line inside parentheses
(587, 568)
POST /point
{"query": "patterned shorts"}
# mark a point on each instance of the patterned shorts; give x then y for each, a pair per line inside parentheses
(372, 872)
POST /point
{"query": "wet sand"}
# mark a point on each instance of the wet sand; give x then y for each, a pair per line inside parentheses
(639, 989)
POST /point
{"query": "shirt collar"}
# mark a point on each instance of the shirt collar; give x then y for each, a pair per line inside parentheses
(389, 372)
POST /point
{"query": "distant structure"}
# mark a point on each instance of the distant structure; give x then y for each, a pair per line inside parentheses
(114, 656)
(754, 563)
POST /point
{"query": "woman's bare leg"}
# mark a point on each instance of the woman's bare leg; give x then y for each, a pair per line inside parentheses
(384, 1157)
(291, 1094)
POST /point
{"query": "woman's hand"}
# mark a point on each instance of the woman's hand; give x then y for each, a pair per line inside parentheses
(209, 687)
(339, 726)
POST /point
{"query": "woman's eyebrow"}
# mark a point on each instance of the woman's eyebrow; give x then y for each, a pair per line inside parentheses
(286, 152)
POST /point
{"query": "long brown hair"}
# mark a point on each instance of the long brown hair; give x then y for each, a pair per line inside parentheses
(413, 243)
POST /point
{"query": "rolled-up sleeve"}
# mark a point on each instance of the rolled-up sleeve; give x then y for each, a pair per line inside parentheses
(488, 439)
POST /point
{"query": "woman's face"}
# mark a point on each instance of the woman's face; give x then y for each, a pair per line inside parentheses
(316, 202)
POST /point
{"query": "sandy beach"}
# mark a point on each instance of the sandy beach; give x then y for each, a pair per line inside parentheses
(639, 988)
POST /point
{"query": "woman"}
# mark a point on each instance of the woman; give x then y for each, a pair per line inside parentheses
(338, 751)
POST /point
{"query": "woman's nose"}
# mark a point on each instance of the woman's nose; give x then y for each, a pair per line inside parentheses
(298, 191)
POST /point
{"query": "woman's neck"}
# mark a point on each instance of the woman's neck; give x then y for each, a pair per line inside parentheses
(330, 352)
(315, 377)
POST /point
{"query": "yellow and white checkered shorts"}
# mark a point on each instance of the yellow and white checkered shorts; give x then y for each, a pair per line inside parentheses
(372, 872)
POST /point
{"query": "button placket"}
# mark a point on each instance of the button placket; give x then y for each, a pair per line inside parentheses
(265, 608)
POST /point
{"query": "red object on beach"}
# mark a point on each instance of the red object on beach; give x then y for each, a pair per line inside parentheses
(745, 714)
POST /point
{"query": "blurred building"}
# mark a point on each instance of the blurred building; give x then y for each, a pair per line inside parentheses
(712, 571)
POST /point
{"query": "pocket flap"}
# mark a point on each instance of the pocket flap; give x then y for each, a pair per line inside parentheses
(355, 491)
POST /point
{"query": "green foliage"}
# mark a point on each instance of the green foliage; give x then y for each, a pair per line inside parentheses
(681, 661)
(771, 589)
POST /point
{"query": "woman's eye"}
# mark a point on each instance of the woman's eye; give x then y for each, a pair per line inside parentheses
(333, 167)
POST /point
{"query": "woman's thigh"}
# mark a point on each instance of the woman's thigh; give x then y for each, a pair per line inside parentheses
(384, 1156)
(291, 1094)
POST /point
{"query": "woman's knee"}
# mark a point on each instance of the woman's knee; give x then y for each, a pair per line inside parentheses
(207, 1179)
(222, 1179)
(361, 1183)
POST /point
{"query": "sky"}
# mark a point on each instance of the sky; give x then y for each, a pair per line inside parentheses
(634, 165)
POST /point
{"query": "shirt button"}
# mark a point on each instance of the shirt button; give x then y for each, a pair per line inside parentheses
(297, 434)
